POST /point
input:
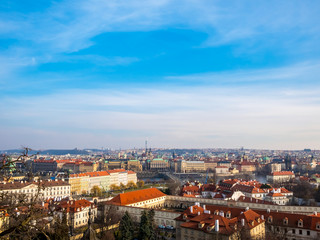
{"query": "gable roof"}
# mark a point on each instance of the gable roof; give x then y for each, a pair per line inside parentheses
(136, 196)
(283, 173)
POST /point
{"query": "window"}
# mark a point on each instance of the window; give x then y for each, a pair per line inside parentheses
(293, 231)
(300, 232)
(308, 233)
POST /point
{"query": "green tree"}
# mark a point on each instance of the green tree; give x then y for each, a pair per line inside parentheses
(126, 227)
(151, 215)
(145, 232)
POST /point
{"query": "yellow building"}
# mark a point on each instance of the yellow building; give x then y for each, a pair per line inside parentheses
(79, 183)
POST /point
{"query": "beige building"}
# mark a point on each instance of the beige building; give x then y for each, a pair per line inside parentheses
(145, 198)
(278, 177)
(77, 212)
(210, 165)
(84, 182)
(191, 166)
(222, 170)
(158, 164)
(134, 165)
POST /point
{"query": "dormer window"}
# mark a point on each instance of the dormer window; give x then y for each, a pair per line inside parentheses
(285, 221)
(184, 216)
(200, 225)
(216, 212)
(228, 214)
(318, 226)
(300, 223)
(270, 219)
(209, 228)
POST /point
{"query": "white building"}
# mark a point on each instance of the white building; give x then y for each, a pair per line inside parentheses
(41, 190)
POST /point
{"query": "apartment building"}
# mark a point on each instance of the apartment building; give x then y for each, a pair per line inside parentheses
(41, 190)
(79, 183)
(278, 177)
(84, 182)
(207, 222)
(78, 212)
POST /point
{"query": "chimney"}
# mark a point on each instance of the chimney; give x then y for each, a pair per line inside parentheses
(242, 222)
(315, 213)
(204, 207)
(262, 217)
(198, 213)
(216, 226)
(191, 208)
(268, 210)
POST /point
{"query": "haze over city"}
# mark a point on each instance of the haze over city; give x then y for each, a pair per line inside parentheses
(197, 74)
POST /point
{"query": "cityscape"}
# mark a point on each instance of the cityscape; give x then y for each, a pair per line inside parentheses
(193, 193)
(159, 120)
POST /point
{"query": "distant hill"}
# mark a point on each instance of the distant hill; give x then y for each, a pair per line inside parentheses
(50, 151)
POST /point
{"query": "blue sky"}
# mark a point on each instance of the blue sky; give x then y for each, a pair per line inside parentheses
(191, 73)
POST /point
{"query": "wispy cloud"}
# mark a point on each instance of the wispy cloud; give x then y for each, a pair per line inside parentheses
(307, 72)
(279, 117)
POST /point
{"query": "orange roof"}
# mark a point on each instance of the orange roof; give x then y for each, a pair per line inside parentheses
(74, 205)
(271, 194)
(97, 174)
(116, 170)
(282, 173)
(91, 174)
(137, 196)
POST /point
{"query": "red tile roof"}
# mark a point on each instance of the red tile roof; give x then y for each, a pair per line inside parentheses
(282, 173)
(136, 196)
(74, 205)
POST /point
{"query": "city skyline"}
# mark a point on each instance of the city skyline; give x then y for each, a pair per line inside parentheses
(199, 75)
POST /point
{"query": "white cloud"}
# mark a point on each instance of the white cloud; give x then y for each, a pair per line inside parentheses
(201, 116)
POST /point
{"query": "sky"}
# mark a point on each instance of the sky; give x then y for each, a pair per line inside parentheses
(181, 74)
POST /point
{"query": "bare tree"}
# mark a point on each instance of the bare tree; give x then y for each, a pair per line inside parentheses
(27, 217)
